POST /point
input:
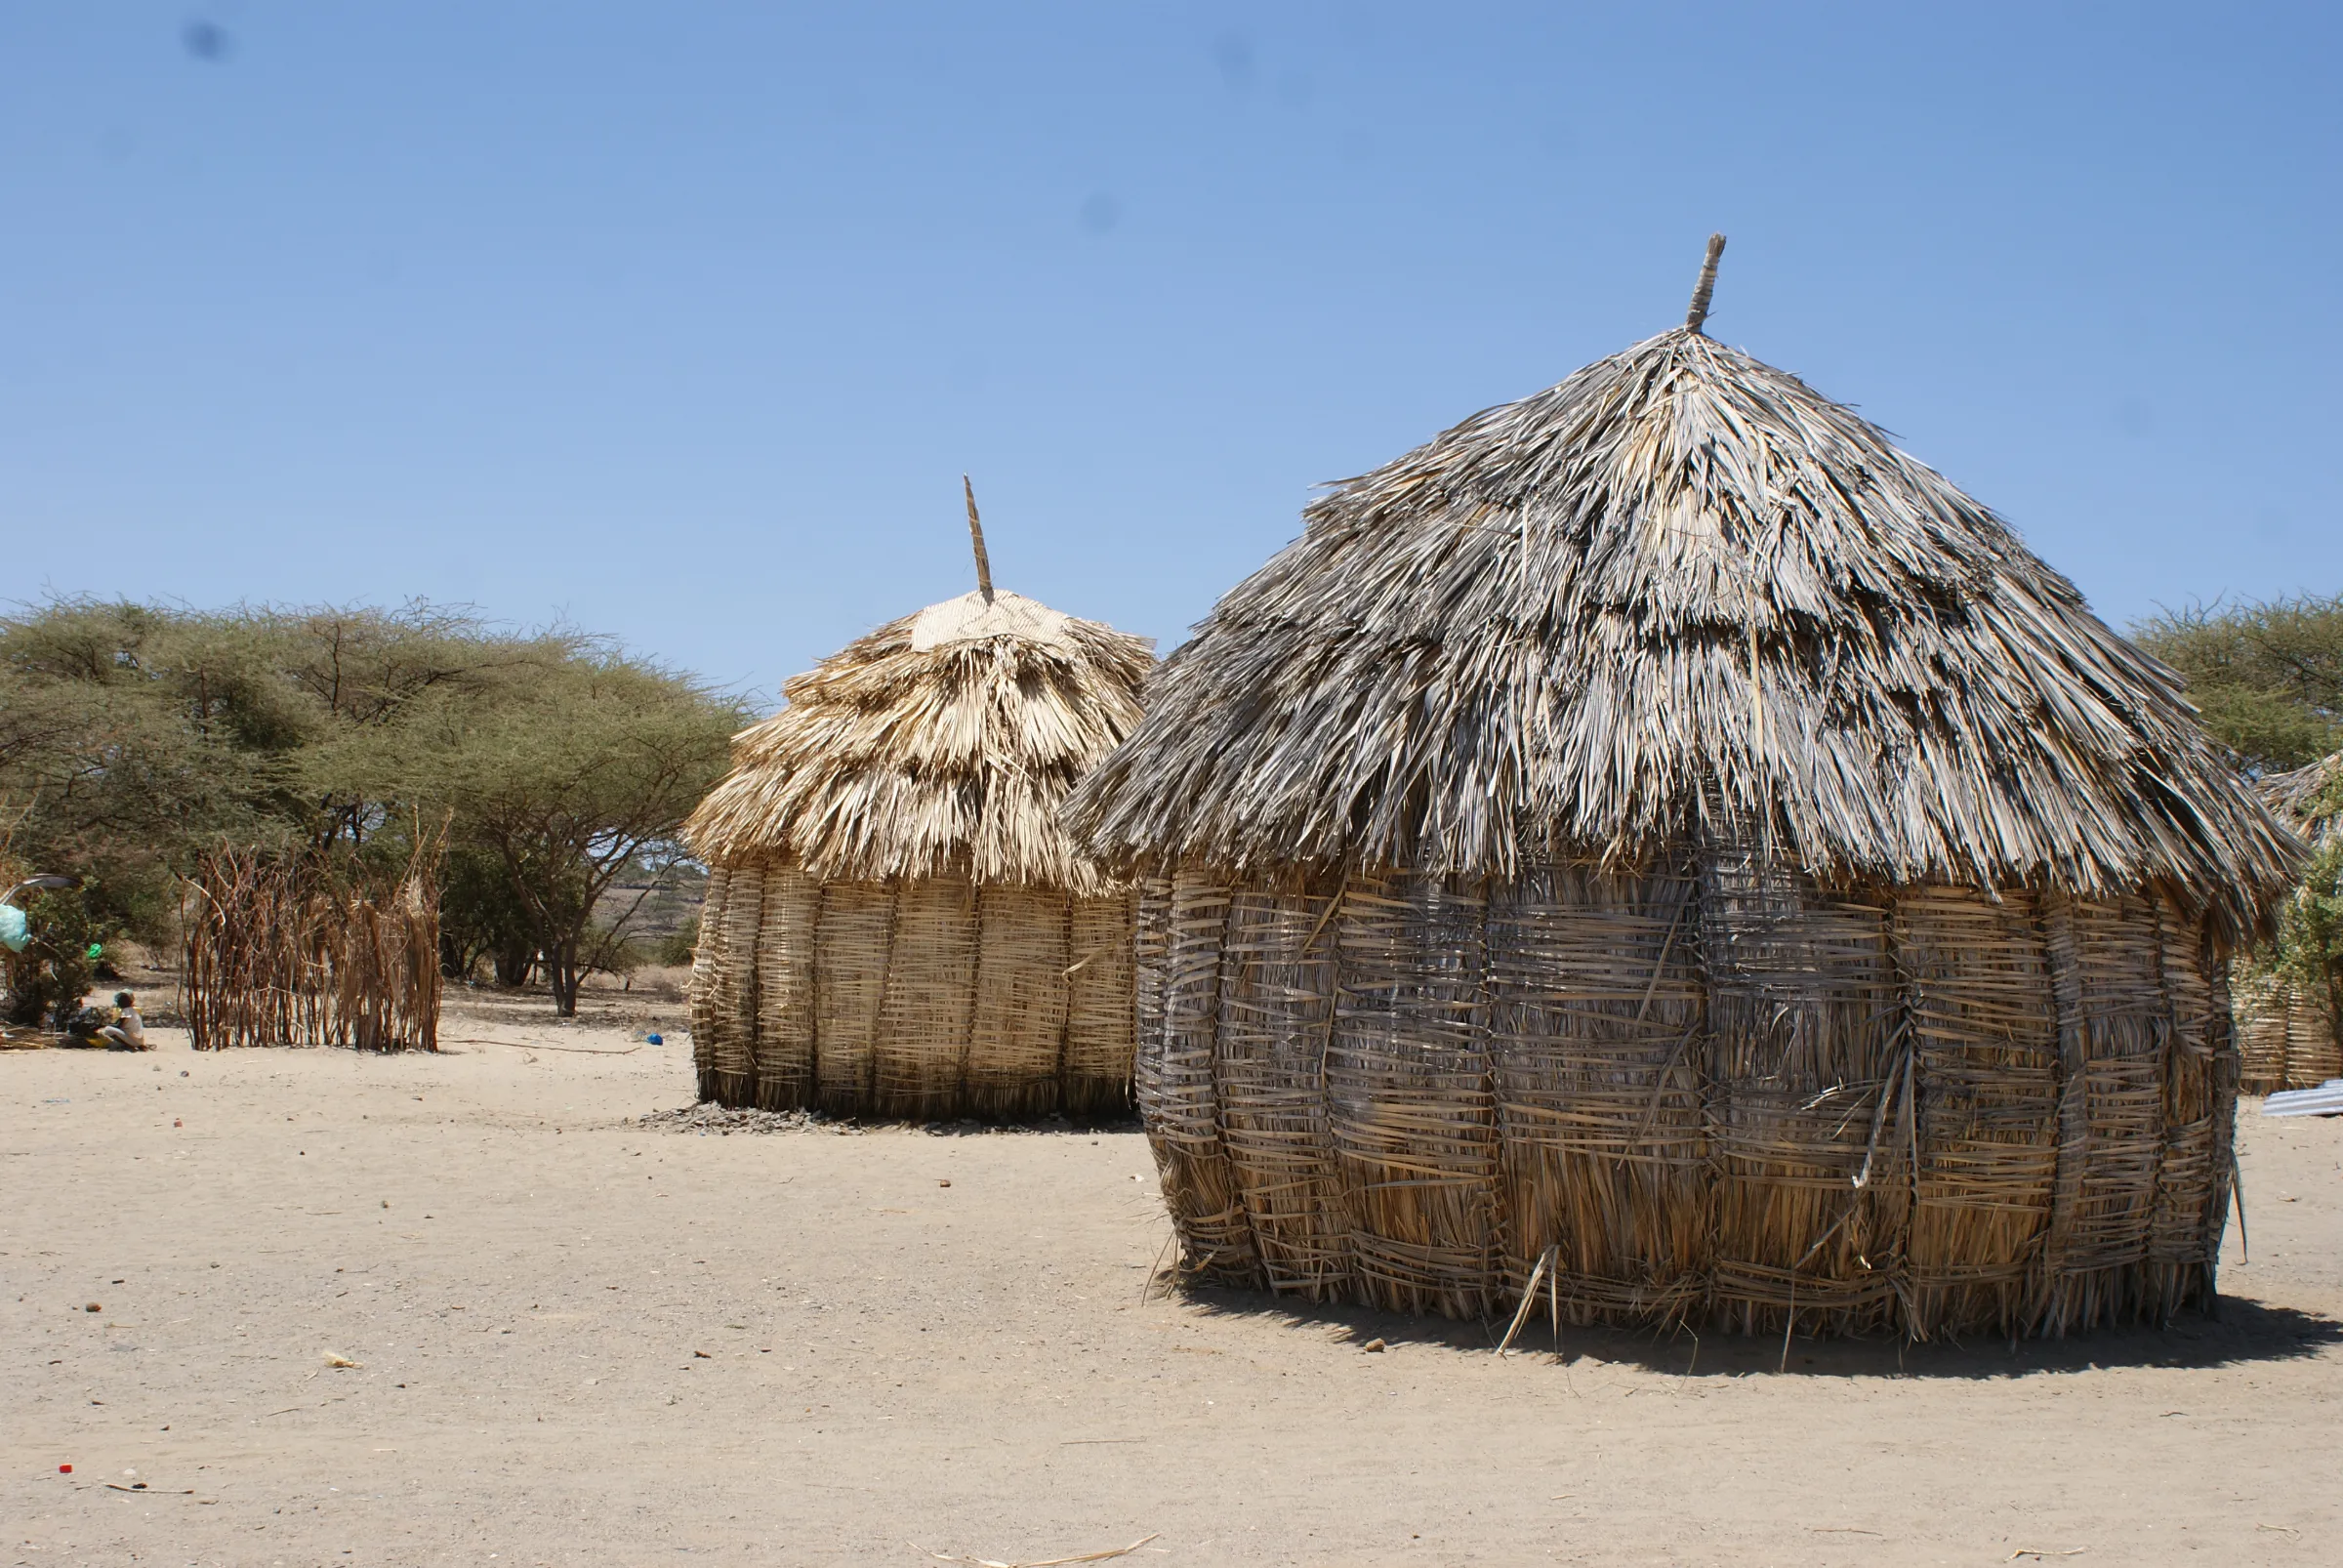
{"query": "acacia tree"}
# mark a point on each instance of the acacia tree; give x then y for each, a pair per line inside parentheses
(2267, 676)
(132, 735)
(2267, 679)
(127, 734)
(2308, 949)
(565, 780)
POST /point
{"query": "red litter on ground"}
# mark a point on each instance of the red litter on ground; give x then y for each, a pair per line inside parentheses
(64, 1469)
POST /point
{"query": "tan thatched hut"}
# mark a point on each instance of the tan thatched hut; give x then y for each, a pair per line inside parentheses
(895, 924)
(1659, 831)
(2290, 1033)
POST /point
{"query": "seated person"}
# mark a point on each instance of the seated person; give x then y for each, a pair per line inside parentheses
(127, 1031)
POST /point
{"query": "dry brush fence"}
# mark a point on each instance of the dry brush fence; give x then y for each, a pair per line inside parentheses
(290, 951)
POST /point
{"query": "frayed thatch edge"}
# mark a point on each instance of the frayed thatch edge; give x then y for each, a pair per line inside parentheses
(896, 758)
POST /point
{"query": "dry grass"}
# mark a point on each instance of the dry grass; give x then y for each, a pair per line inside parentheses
(898, 759)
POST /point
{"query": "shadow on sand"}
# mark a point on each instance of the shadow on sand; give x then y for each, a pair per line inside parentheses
(2243, 1331)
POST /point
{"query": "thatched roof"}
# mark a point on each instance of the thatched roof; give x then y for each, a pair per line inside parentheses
(940, 744)
(1535, 634)
(2309, 800)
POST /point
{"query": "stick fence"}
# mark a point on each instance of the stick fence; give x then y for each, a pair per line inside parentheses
(289, 951)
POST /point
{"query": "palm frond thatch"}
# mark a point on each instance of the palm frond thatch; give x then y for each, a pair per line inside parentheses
(2309, 800)
(942, 744)
(1681, 586)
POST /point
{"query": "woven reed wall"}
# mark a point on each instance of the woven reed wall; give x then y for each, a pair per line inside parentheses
(2286, 1039)
(1705, 1092)
(919, 998)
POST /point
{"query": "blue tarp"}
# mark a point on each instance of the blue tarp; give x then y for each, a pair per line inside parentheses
(14, 931)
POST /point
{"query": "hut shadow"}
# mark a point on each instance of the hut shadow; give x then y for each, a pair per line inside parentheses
(2245, 1332)
(971, 1127)
(706, 1116)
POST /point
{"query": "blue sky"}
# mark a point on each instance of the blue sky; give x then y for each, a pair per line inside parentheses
(682, 322)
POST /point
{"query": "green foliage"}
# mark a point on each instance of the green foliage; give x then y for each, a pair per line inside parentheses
(2310, 938)
(609, 950)
(2267, 676)
(132, 735)
(675, 948)
(2269, 680)
(565, 781)
(2309, 948)
(47, 981)
(482, 920)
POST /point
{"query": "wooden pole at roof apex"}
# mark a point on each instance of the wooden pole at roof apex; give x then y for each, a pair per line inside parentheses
(1706, 286)
(984, 563)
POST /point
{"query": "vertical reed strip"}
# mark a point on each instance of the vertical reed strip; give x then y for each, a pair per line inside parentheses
(1101, 1004)
(2114, 1025)
(786, 1007)
(1276, 1019)
(920, 1049)
(707, 957)
(2176, 1276)
(1984, 1039)
(1812, 1115)
(1016, 1029)
(852, 946)
(1411, 1105)
(2222, 1033)
(734, 988)
(1178, 1093)
(1597, 1021)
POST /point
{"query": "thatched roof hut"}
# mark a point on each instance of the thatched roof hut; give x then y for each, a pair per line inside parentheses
(2290, 1032)
(1660, 829)
(2309, 800)
(895, 924)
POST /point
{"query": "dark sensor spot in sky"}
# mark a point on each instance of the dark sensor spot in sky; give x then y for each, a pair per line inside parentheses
(1101, 212)
(206, 40)
(1232, 52)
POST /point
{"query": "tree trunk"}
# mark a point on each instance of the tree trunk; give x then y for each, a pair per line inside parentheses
(513, 961)
(561, 974)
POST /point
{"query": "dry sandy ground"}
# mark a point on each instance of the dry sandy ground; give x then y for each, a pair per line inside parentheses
(585, 1340)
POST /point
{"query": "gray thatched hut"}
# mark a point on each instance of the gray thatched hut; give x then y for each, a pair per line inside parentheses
(1660, 832)
(895, 924)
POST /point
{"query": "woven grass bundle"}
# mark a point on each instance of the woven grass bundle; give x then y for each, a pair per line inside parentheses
(896, 926)
(1660, 839)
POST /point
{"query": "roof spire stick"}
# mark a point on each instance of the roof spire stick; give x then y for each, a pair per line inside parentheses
(1706, 286)
(984, 562)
